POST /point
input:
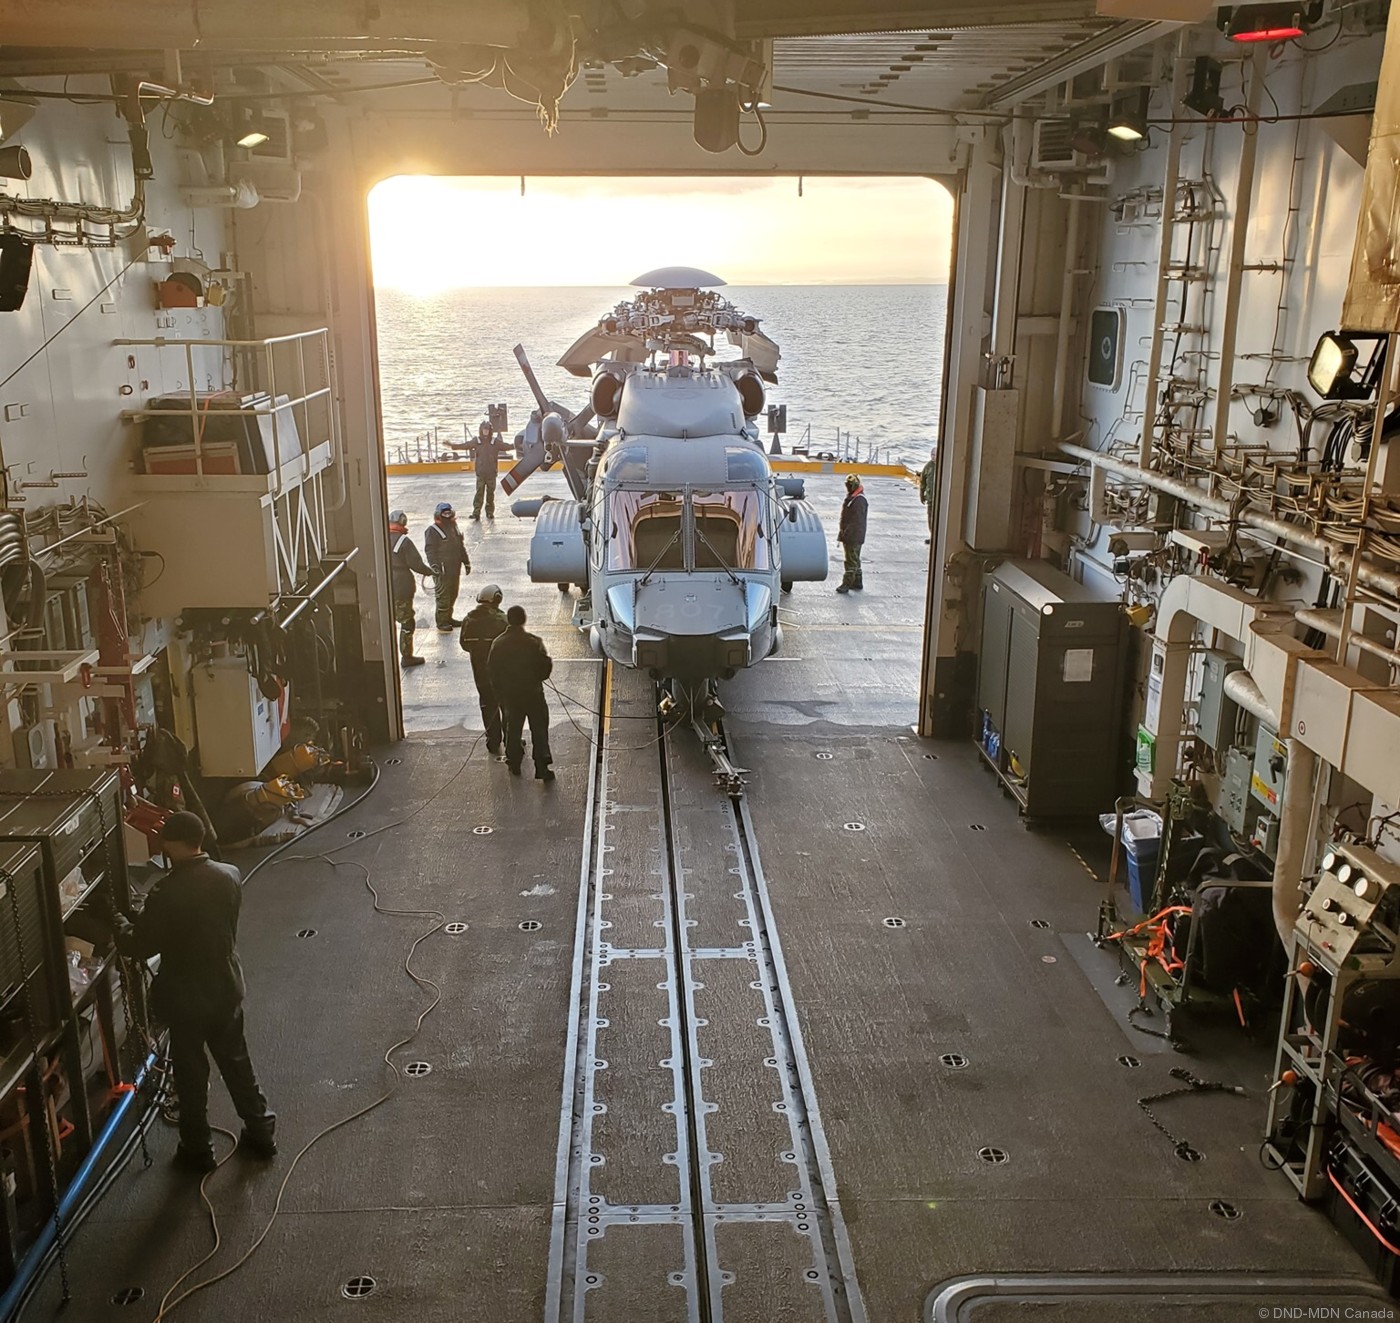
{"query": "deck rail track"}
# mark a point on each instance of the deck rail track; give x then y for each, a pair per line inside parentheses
(823, 1284)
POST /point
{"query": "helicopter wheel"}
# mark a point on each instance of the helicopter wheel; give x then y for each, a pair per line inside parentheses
(787, 585)
(563, 587)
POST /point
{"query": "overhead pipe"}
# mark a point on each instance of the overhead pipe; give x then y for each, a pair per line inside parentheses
(1062, 335)
(1383, 391)
(1242, 690)
(1335, 555)
(218, 25)
(1330, 623)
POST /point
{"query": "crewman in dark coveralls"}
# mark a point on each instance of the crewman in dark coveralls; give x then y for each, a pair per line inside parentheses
(485, 623)
(489, 448)
(854, 511)
(404, 562)
(446, 553)
(191, 922)
(519, 667)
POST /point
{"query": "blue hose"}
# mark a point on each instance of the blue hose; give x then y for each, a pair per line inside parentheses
(75, 1189)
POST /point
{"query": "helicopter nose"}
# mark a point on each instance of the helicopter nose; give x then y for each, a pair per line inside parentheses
(685, 627)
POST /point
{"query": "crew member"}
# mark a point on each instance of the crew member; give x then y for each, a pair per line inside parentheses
(446, 553)
(519, 667)
(489, 447)
(928, 488)
(191, 922)
(485, 623)
(404, 563)
(852, 533)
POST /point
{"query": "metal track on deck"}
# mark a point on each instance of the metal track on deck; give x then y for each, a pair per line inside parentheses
(693, 1175)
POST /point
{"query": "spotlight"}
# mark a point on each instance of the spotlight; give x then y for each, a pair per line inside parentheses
(1128, 121)
(249, 129)
(1204, 97)
(716, 125)
(1268, 22)
(1333, 369)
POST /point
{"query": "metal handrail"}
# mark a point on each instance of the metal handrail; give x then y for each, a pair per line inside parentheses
(267, 344)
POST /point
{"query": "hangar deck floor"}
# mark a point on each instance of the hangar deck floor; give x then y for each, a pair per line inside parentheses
(672, 1015)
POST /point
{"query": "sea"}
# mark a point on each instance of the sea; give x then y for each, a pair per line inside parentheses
(860, 371)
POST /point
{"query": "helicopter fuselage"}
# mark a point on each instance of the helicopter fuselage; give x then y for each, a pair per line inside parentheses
(679, 532)
(684, 538)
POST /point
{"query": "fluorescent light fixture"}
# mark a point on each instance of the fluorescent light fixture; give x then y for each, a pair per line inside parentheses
(1128, 120)
(253, 138)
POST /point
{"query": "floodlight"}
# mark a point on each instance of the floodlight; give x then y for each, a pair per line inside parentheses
(1204, 94)
(1333, 369)
(1128, 120)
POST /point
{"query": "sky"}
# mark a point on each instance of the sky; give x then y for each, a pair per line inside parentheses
(604, 231)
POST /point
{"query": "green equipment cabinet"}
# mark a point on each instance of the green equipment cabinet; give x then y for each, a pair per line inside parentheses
(1050, 690)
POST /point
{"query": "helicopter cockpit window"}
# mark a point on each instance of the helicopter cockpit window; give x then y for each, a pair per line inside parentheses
(645, 529)
(745, 464)
(729, 531)
(627, 464)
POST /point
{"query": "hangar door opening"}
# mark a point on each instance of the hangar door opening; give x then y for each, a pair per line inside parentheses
(847, 275)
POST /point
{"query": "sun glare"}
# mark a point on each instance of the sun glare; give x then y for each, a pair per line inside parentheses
(430, 235)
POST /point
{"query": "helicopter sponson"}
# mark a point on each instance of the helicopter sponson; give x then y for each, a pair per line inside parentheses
(679, 532)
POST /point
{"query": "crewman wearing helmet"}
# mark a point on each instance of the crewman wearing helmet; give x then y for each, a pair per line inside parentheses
(485, 623)
(852, 534)
(404, 563)
(489, 447)
(446, 552)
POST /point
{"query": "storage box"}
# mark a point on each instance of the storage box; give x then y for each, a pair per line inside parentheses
(1380, 1204)
(218, 456)
(243, 421)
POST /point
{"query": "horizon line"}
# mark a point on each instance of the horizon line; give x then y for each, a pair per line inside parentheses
(737, 284)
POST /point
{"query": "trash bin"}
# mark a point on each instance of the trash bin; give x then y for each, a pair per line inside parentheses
(1142, 841)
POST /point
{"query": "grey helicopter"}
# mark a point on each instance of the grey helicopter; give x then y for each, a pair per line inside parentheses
(678, 531)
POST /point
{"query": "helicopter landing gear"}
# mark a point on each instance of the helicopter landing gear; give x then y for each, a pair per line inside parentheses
(699, 705)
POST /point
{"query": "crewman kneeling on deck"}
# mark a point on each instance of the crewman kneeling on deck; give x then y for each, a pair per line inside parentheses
(445, 550)
(854, 510)
(191, 922)
(519, 667)
(404, 563)
(485, 623)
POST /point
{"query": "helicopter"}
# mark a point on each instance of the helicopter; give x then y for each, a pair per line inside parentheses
(678, 531)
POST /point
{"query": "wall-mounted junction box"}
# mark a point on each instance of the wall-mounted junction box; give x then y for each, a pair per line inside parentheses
(1270, 765)
(1234, 789)
(1216, 724)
